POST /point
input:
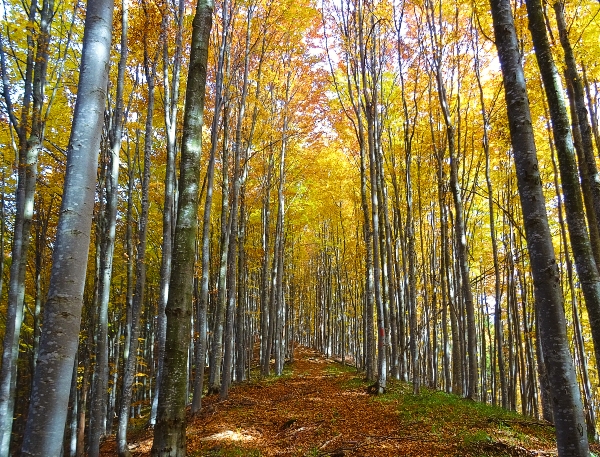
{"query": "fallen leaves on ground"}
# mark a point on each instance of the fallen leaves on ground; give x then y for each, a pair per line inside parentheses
(320, 407)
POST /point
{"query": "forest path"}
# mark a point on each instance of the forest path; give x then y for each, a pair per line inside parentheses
(321, 408)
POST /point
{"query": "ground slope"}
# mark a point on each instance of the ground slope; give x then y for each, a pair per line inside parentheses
(320, 407)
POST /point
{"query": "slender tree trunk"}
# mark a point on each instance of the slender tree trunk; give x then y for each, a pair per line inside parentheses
(590, 416)
(369, 302)
(584, 177)
(593, 109)
(171, 102)
(412, 278)
(2, 230)
(100, 389)
(462, 256)
(277, 286)
(498, 330)
(210, 177)
(73, 411)
(52, 378)
(580, 241)
(112, 400)
(568, 411)
(169, 432)
(265, 351)
(243, 333)
(216, 352)
(234, 225)
(83, 405)
(574, 80)
(31, 137)
(140, 284)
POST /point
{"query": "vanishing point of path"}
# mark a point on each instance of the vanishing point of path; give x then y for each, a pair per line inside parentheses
(321, 408)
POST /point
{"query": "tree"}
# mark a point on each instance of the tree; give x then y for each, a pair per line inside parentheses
(62, 313)
(171, 104)
(580, 240)
(459, 223)
(133, 324)
(169, 432)
(107, 247)
(30, 132)
(571, 433)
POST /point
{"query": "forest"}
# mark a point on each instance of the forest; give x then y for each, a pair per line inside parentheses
(192, 190)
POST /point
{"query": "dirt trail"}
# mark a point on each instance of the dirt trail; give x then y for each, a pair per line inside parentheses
(307, 414)
(318, 409)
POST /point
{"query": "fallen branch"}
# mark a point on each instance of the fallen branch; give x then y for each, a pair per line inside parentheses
(330, 441)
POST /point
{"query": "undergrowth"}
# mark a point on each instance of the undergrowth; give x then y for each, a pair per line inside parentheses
(482, 429)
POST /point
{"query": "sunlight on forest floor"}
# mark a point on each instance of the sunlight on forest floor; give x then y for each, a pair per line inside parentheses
(321, 408)
(229, 435)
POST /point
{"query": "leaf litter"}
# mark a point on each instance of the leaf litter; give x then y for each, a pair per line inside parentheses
(320, 407)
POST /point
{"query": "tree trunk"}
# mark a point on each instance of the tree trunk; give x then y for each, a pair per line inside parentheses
(580, 241)
(62, 313)
(169, 432)
(218, 328)
(131, 360)
(498, 330)
(265, 352)
(171, 102)
(31, 136)
(593, 110)
(277, 286)
(234, 237)
(568, 411)
(107, 246)
(202, 342)
(574, 80)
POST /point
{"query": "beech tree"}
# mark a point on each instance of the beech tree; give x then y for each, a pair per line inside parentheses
(30, 130)
(107, 246)
(62, 312)
(571, 435)
(169, 432)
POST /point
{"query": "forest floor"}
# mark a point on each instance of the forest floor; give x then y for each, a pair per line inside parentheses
(320, 407)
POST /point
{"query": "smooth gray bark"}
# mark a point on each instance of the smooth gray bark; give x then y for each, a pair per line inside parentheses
(62, 313)
(30, 131)
(574, 80)
(369, 99)
(216, 352)
(265, 344)
(570, 424)
(2, 231)
(578, 336)
(238, 178)
(107, 245)
(278, 250)
(218, 329)
(498, 330)
(578, 234)
(593, 109)
(461, 241)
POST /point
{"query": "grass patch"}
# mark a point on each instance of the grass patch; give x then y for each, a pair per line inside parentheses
(356, 382)
(481, 429)
(441, 407)
(476, 437)
(338, 368)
